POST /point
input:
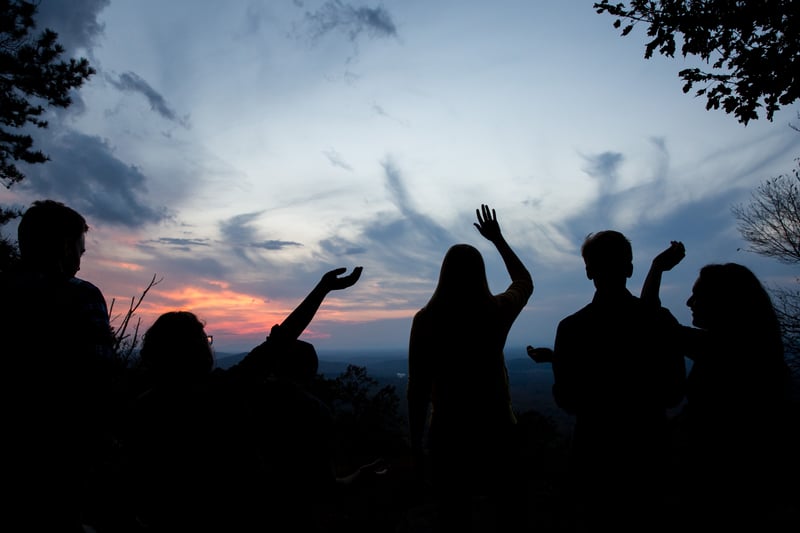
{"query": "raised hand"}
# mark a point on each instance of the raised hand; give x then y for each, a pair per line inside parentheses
(669, 257)
(487, 223)
(332, 282)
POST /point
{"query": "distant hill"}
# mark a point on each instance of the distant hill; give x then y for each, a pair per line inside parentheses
(530, 382)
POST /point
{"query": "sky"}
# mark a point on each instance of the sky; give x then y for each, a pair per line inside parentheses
(236, 151)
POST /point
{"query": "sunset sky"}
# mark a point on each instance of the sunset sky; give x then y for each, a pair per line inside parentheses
(238, 150)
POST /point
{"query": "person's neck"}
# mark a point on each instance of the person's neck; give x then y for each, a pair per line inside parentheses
(614, 292)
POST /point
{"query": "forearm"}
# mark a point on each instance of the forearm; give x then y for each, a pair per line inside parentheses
(516, 269)
(299, 319)
(652, 286)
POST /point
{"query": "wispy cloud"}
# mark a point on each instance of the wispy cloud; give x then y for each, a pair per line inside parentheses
(336, 159)
(76, 22)
(604, 167)
(275, 245)
(182, 243)
(241, 233)
(238, 230)
(380, 111)
(132, 82)
(335, 15)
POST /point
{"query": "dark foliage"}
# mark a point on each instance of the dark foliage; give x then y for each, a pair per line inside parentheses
(752, 48)
(9, 251)
(32, 76)
(770, 223)
(367, 423)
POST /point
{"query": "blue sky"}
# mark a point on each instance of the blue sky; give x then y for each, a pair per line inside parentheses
(239, 150)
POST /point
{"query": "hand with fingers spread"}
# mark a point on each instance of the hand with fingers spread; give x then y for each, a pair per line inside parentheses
(487, 223)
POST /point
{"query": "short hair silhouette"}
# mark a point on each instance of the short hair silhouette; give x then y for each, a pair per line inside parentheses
(607, 253)
(44, 228)
(299, 362)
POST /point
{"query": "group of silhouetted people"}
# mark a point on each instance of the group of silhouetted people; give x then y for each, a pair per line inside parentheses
(175, 443)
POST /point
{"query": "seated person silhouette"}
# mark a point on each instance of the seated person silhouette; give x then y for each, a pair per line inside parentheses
(253, 428)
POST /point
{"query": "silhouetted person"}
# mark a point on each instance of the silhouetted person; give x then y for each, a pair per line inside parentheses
(193, 450)
(457, 369)
(297, 439)
(737, 461)
(246, 448)
(615, 368)
(58, 376)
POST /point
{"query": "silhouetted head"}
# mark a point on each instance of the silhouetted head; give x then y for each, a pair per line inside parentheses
(176, 346)
(300, 362)
(730, 297)
(608, 257)
(462, 277)
(51, 238)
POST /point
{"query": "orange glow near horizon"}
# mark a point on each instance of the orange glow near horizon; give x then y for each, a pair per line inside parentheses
(227, 313)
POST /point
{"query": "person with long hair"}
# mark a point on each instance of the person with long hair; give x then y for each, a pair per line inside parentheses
(457, 372)
(734, 422)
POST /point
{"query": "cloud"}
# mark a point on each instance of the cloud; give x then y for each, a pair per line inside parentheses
(420, 223)
(339, 247)
(335, 15)
(275, 245)
(132, 82)
(239, 232)
(336, 159)
(84, 173)
(380, 111)
(605, 168)
(182, 243)
(404, 245)
(78, 28)
(76, 22)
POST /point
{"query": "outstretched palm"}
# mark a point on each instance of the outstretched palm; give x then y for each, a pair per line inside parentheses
(333, 282)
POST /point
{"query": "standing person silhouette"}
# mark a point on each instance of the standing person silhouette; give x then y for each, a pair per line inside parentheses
(615, 368)
(737, 462)
(58, 376)
(456, 367)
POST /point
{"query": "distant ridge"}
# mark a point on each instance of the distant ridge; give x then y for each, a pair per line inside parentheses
(530, 382)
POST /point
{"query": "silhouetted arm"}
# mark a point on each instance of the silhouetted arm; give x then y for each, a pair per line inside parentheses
(565, 389)
(299, 319)
(488, 227)
(262, 359)
(661, 263)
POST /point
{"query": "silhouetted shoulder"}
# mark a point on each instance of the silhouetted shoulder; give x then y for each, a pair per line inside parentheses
(579, 315)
